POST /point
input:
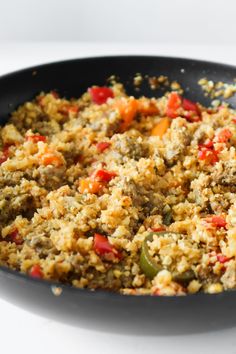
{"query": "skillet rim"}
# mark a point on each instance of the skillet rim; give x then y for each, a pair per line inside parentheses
(125, 56)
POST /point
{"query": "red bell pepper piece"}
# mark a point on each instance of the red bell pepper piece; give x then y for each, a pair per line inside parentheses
(36, 138)
(224, 135)
(6, 149)
(103, 247)
(189, 105)
(15, 237)
(208, 144)
(102, 146)
(157, 229)
(103, 175)
(207, 152)
(192, 117)
(193, 113)
(222, 259)
(176, 107)
(100, 95)
(36, 271)
(209, 155)
(5, 154)
(217, 221)
(3, 159)
(173, 104)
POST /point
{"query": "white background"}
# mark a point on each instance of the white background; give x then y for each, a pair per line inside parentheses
(32, 32)
(181, 21)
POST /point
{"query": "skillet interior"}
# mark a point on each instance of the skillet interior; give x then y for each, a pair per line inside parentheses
(107, 311)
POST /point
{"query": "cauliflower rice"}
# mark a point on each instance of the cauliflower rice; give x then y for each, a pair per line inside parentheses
(85, 182)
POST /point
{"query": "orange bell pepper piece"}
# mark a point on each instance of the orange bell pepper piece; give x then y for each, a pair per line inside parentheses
(127, 108)
(50, 157)
(147, 107)
(68, 108)
(161, 127)
(89, 186)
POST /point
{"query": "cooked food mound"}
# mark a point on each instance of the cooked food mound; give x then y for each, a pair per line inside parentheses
(108, 191)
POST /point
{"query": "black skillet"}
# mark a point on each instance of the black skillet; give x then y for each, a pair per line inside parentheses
(151, 315)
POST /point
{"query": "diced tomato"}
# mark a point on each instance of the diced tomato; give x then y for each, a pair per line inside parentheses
(234, 120)
(189, 105)
(15, 237)
(36, 138)
(224, 135)
(103, 146)
(36, 271)
(103, 175)
(222, 259)
(100, 95)
(208, 155)
(103, 247)
(173, 104)
(217, 221)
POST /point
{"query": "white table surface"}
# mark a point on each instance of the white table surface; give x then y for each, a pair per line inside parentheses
(23, 332)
